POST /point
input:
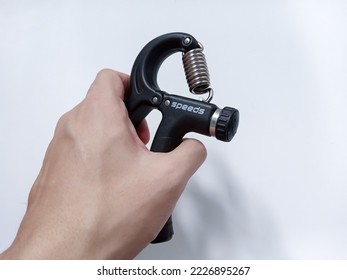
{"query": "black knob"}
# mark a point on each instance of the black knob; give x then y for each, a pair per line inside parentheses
(227, 123)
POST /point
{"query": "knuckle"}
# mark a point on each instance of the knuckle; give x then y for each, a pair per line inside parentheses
(63, 122)
(105, 73)
(32, 195)
(65, 126)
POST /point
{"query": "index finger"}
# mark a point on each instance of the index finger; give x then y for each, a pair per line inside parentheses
(109, 84)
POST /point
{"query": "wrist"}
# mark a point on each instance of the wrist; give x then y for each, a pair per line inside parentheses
(37, 243)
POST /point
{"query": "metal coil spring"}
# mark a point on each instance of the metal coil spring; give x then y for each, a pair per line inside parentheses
(196, 71)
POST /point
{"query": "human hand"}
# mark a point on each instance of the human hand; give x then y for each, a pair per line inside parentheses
(100, 192)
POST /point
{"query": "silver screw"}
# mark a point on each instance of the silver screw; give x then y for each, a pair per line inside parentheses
(155, 99)
(187, 41)
(167, 102)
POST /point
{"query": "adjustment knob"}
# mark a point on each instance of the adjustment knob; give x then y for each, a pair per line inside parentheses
(226, 124)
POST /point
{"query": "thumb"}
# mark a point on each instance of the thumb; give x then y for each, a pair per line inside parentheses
(187, 158)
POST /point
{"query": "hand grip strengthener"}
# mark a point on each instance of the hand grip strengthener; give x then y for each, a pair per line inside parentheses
(180, 115)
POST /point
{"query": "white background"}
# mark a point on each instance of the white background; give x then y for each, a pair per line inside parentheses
(277, 191)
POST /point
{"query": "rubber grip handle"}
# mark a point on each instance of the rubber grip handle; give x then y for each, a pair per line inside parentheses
(165, 144)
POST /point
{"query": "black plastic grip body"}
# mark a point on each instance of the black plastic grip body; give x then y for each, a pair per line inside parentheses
(180, 115)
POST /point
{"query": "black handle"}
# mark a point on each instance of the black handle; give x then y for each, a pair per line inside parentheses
(166, 232)
(180, 115)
